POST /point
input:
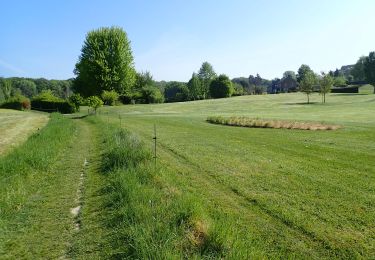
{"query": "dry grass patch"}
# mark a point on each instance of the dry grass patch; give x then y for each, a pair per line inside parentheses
(265, 123)
(17, 126)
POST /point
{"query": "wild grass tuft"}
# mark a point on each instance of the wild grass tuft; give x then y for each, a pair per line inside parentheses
(263, 123)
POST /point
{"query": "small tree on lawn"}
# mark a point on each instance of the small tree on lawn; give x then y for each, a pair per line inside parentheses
(307, 84)
(326, 84)
(94, 102)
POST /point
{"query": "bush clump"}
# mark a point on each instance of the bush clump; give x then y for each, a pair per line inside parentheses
(110, 97)
(18, 102)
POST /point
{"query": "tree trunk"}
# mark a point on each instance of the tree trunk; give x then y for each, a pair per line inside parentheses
(324, 98)
(308, 99)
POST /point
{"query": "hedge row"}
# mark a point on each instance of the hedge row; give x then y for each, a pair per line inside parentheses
(345, 90)
(63, 107)
(16, 103)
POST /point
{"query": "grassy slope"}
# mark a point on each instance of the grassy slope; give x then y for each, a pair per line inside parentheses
(16, 126)
(284, 192)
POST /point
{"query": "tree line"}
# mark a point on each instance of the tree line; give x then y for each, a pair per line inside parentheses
(29, 87)
(105, 73)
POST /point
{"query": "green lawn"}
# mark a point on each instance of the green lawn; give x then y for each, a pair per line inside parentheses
(366, 89)
(285, 192)
(216, 192)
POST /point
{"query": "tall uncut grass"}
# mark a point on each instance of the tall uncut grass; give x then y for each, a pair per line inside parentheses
(263, 123)
(150, 219)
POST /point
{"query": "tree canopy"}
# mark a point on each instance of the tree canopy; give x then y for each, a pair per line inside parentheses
(307, 83)
(206, 74)
(302, 71)
(106, 63)
(195, 88)
(358, 71)
(290, 74)
(369, 69)
(221, 87)
(326, 84)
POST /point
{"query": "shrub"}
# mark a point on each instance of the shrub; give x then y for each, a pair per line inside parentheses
(76, 100)
(18, 102)
(47, 95)
(176, 92)
(94, 102)
(110, 97)
(149, 94)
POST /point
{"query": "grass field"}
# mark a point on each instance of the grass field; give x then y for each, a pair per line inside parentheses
(286, 192)
(216, 192)
(366, 89)
(16, 126)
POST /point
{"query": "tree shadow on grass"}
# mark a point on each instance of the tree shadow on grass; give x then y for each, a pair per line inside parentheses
(349, 94)
(79, 117)
(303, 103)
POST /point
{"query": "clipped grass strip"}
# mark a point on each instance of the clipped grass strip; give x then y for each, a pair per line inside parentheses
(265, 123)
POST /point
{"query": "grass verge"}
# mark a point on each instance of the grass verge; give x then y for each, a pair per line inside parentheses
(147, 218)
(34, 192)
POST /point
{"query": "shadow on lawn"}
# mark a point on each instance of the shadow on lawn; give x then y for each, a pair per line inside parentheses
(303, 103)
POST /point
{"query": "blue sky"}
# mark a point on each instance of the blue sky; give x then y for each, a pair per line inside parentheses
(172, 38)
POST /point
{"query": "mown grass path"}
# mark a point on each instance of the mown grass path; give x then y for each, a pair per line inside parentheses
(94, 240)
(45, 227)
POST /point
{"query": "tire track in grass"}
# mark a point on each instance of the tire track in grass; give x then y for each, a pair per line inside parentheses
(44, 227)
(252, 202)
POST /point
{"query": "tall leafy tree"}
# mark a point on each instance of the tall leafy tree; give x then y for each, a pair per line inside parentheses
(206, 74)
(369, 68)
(290, 74)
(256, 81)
(176, 92)
(307, 84)
(143, 79)
(221, 87)
(6, 85)
(195, 88)
(27, 87)
(358, 71)
(106, 63)
(337, 73)
(326, 83)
